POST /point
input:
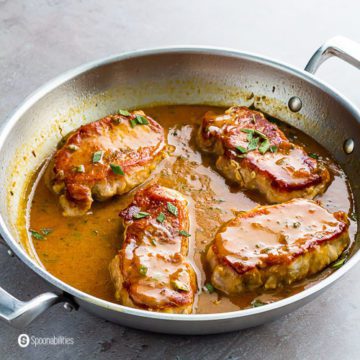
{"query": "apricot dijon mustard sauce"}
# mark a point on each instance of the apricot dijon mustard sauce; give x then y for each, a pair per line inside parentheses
(78, 250)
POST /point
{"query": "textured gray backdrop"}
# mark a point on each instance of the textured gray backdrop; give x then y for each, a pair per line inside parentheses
(40, 39)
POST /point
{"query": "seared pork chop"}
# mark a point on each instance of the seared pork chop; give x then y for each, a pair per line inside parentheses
(151, 271)
(256, 154)
(105, 158)
(275, 245)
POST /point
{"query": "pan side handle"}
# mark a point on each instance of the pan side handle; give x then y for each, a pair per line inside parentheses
(19, 313)
(338, 46)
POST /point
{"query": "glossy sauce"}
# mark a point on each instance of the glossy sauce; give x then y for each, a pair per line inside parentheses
(285, 231)
(154, 264)
(79, 250)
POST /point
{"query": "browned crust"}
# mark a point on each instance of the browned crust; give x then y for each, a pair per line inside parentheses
(154, 200)
(228, 132)
(100, 135)
(282, 259)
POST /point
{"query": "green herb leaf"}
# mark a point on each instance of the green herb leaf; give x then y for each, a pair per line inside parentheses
(124, 112)
(209, 288)
(314, 156)
(172, 209)
(247, 131)
(253, 144)
(339, 263)
(241, 149)
(262, 135)
(73, 147)
(153, 241)
(264, 147)
(296, 225)
(36, 235)
(79, 168)
(143, 270)
(142, 120)
(273, 148)
(184, 233)
(161, 218)
(133, 123)
(97, 156)
(179, 285)
(257, 303)
(140, 215)
(116, 169)
(249, 136)
(46, 231)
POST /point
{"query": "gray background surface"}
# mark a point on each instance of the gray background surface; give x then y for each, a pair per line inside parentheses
(40, 39)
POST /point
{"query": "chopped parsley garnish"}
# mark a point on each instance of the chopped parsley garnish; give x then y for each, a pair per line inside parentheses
(314, 156)
(133, 123)
(139, 120)
(253, 144)
(161, 218)
(249, 136)
(153, 241)
(248, 131)
(184, 233)
(143, 270)
(264, 147)
(172, 209)
(257, 140)
(257, 303)
(116, 169)
(79, 168)
(124, 112)
(36, 235)
(142, 120)
(73, 147)
(140, 215)
(97, 156)
(209, 288)
(296, 225)
(179, 285)
(339, 263)
(257, 132)
(241, 149)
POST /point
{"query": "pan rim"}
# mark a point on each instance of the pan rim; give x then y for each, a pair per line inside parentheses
(35, 96)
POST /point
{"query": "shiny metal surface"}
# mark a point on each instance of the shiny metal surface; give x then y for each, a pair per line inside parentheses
(338, 46)
(349, 146)
(295, 104)
(19, 313)
(190, 75)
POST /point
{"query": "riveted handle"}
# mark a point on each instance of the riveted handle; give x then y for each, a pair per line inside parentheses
(21, 313)
(338, 46)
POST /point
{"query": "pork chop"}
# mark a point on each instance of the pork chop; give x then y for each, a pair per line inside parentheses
(105, 158)
(255, 153)
(273, 246)
(151, 270)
